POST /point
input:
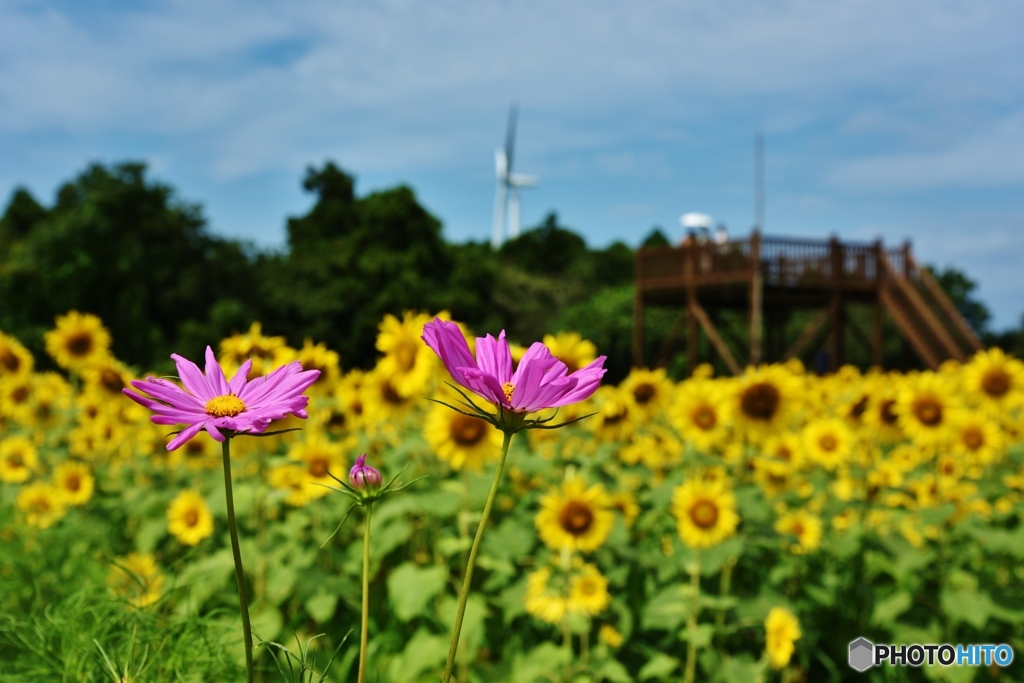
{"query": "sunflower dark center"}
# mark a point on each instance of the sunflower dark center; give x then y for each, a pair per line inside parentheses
(467, 431)
(798, 529)
(337, 420)
(928, 410)
(194, 448)
(760, 401)
(111, 381)
(318, 467)
(576, 518)
(79, 344)
(588, 587)
(390, 395)
(995, 383)
(705, 417)
(20, 393)
(9, 360)
(616, 417)
(15, 460)
(858, 408)
(570, 364)
(192, 517)
(406, 356)
(643, 393)
(973, 438)
(73, 483)
(886, 412)
(783, 453)
(704, 514)
(828, 442)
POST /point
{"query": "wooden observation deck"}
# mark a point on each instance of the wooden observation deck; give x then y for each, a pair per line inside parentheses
(770, 277)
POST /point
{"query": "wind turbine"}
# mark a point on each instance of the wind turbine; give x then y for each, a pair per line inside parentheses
(507, 199)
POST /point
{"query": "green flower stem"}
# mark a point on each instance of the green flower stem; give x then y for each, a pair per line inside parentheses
(237, 552)
(365, 628)
(725, 585)
(691, 622)
(450, 665)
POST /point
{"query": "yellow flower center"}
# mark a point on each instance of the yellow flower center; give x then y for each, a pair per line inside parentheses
(508, 388)
(192, 517)
(225, 406)
(704, 514)
(995, 383)
(828, 442)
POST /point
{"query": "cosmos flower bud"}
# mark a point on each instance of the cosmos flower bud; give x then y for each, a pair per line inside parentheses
(362, 475)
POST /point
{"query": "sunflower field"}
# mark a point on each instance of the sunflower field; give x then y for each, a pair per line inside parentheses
(712, 529)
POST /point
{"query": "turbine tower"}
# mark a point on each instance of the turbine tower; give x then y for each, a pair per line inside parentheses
(507, 197)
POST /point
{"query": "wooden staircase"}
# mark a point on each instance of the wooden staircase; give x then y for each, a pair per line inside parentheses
(923, 313)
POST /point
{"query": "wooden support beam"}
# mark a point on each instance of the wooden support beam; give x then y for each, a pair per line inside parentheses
(692, 340)
(756, 298)
(716, 341)
(662, 359)
(836, 350)
(807, 334)
(877, 329)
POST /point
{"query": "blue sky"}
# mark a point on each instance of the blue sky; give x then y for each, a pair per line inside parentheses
(897, 119)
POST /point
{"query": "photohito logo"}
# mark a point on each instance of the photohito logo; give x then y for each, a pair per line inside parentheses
(864, 654)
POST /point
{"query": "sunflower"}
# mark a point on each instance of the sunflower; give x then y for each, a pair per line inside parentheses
(108, 376)
(188, 518)
(15, 359)
(18, 459)
(200, 454)
(75, 482)
(588, 592)
(781, 630)
(615, 418)
(266, 353)
(657, 448)
(699, 412)
(764, 400)
(926, 407)
(650, 390)
(79, 340)
(625, 503)
(319, 357)
(774, 477)
(540, 600)
(786, 448)
(575, 517)
(321, 458)
(41, 504)
(993, 379)
(407, 363)
(383, 406)
(295, 480)
(705, 513)
(572, 349)
(828, 442)
(464, 442)
(137, 578)
(15, 395)
(609, 635)
(880, 414)
(51, 397)
(805, 526)
(978, 438)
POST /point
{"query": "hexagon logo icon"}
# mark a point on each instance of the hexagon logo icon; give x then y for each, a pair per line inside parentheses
(862, 654)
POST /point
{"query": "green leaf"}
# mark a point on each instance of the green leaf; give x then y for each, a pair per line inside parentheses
(741, 670)
(538, 663)
(666, 610)
(701, 636)
(322, 606)
(973, 607)
(890, 607)
(150, 534)
(509, 540)
(411, 587)
(614, 672)
(425, 651)
(659, 667)
(473, 630)
(266, 621)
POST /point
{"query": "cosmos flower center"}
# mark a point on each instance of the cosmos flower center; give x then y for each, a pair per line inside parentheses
(928, 410)
(704, 417)
(995, 383)
(704, 514)
(973, 438)
(760, 401)
(9, 360)
(509, 389)
(576, 517)
(79, 344)
(225, 406)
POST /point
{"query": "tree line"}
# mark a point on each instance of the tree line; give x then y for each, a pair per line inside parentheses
(127, 248)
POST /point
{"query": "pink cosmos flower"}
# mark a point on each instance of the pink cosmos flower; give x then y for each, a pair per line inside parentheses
(212, 403)
(362, 475)
(540, 381)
